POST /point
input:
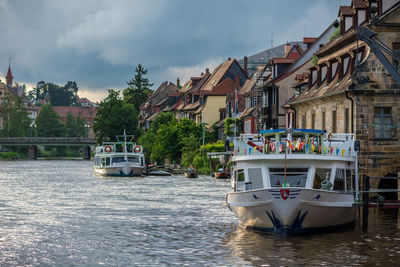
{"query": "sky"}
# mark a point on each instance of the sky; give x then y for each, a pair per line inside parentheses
(99, 43)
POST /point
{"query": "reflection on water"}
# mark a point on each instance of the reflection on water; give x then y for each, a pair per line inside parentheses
(59, 213)
(380, 246)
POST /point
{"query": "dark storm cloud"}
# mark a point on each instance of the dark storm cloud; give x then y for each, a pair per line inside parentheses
(99, 43)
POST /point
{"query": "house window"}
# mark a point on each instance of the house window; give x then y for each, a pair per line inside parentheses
(334, 69)
(382, 122)
(323, 119)
(334, 121)
(314, 77)
(324, 70)
(346, 63)
(396, 50)
(303, 121)
(346, 120)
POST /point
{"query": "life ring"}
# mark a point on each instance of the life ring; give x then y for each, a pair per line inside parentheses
(137, 149)
(108, 149)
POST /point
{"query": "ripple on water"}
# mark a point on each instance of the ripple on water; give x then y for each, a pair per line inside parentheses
(60, 213)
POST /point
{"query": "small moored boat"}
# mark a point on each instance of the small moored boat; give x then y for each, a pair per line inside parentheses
(190, 173)
(293, 182)
(119, 158)
(222, 174)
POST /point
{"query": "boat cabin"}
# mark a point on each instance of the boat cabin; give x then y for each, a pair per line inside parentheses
(110, 154)
(303, 158)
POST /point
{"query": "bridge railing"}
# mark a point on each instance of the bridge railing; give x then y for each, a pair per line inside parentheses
(46, 140)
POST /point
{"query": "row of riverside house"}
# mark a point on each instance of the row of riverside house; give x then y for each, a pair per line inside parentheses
(333, 82)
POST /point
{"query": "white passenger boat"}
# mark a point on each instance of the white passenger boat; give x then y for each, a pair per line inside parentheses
(119, 158)
(296, 182)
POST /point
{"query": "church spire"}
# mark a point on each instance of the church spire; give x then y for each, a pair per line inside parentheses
(9, 76)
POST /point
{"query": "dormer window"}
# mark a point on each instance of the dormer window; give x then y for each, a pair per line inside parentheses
(361, 16)
(346, 64)
(324, 71)
(334, 69)
(314, 76)
(348, 23)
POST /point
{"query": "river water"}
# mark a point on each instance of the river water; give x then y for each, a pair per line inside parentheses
(58, 213)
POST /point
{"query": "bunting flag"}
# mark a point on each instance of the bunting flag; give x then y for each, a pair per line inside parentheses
(325, 150)
(319, 149)
(250, 151)
(313, 139)
(331, 150)
(337, 151)
(307, 147)
(245, 151)
(280, 147)
(343, 150)
(313, 148)
(235, 152)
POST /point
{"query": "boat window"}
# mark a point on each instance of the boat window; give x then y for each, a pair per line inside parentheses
(103, 161)
(133, 159)
(295, 177)
(239, 180)
(118, 159)
(340, 180)
(255, 179)
(108, 161)
(350, 180)
(320, 175)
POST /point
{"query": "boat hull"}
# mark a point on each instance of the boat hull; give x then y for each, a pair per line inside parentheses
(190, 174)
(126, 170)
(221, 175)
(292, 210)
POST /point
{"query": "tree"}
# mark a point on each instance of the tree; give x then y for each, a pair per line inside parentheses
(113, 117)
(75, 127)
(48, 123)
(148, 139)
(139, 88)
(66, 95)
(14, 115)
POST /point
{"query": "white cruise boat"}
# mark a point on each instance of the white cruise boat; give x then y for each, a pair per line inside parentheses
(309, 184)
(119, 158)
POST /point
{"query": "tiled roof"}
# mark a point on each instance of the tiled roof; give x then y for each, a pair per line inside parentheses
(345, 11)
(179, 105)
(225, 87)
(192, 106)
(247, 86)
(247, 112)
(324, 90)
(283, 60)
(358, 4)
(9, 74)
(217, 75)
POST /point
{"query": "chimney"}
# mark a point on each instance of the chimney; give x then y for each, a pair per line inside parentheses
(245, 65)
(177, 82)
(207, 71)
(287, 49)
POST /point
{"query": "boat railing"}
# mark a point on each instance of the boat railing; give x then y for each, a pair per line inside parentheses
(342, 145)
(112, 147)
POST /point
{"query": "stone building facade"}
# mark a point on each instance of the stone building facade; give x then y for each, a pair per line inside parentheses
(351, 91)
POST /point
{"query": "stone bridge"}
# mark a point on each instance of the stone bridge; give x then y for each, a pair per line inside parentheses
(33, 142)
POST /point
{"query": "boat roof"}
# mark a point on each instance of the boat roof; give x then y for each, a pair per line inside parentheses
(293, 130)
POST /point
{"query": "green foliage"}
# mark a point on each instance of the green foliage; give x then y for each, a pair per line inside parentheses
(170, 139)
(148, 139)
(9, 155)
(335, 33)
(190, 149)
(113, 117)
(214, 147)
(14, 115)
(202, 164)
(75, 128)
(229, 123)
(48, 123)
(314, 60)
(139, 88)
(66, 95)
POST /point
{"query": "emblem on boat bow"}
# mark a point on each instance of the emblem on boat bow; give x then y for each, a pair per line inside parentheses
(285, 193)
